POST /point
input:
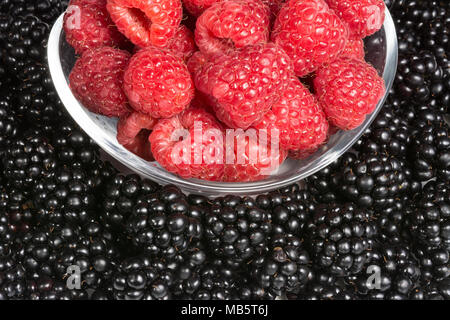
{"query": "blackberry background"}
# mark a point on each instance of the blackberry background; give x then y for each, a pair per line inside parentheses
(61, 203)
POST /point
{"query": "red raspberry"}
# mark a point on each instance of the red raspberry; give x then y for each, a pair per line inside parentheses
(244, 84)
(196, 7)
(232, 24)
(297, 116)
(363, 17)
(354, 49)
(133, 131)
(88, 26)
(183, 43)
(96, 81)
(146, 22)
(251, 157)
(310, 33)
(348, 90)
(202, 160)
(158, 83)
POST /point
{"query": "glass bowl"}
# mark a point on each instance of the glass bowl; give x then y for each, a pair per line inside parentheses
(381, 52)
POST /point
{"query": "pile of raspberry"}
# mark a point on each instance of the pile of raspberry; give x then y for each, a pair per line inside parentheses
(225, 90)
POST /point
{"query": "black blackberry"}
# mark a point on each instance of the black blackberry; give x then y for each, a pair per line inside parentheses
(164, 224)
(236, 230)
(12, 279)
(374, 180)
(286, 267)
(16, 211)
(9, 124)
(340, 237)
(142, 278)
(324, 185)
(389, 134)
(47, 288)
(47, 10)
(421, 80)
(24, 42)
(325, 287)
(438, 290)
(430, 221)
(396, 272)
(430, 152)
(434, 263)
(48, 250)
(120, 196)
(290, 217)
(27, 159)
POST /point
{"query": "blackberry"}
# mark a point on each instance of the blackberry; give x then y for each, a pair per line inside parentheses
(438, 290)
(286, 267)
(340, 237)
(374, 180)
(28, 158)
(325, 287)
(12, 279)
(236, 230)
(66, 195)
(392, 221)
(434, 263)
(164, 224)
(9, 124)
(24, 41)
(389, 134)
(430, 221)
(121, 195)
(142, 278)
(48, 250)
(47, 288)
(430, 152)
(398, 274)
(421, 80)
(47, 10)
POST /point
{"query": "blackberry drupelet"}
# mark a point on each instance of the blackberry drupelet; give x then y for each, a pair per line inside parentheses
(142, 278)
(340, 237)
(120, 196)
(399, 274)
(28, 159)
(285, 268)
(374, 180)
(48, 250)
(236, 230)
(163, 224)
(430, 151)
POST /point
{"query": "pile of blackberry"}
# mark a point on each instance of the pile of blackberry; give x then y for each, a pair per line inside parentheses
(383, 206)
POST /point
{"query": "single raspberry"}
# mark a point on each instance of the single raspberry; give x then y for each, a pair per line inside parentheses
(297, 118)
(310, 33)
(88, 25)
(140, 146)
(252, 156)
(96, 81)
(146, 22)
(196, 7)
(183, 43)
(363, 17)
(348, 89)
(354, 49)
(232, 24)
(244, 84)
(198, 154)
(130, 125)
(158, 83)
